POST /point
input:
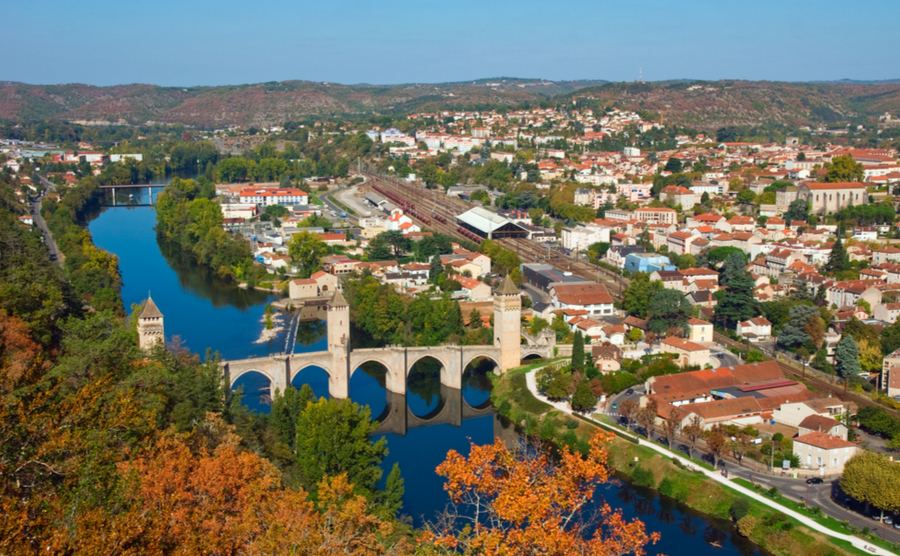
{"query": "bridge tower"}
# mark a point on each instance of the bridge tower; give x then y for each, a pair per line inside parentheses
(507, 324)
(338, 322)
(150, 325)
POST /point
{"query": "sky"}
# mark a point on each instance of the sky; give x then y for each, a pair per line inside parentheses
(230, 42)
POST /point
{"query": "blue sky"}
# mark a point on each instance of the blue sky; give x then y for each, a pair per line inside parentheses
(218, 42)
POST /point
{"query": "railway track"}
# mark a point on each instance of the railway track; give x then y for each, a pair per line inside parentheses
(441, 212)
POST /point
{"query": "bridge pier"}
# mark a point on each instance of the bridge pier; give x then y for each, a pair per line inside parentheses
(451, 374)
(453, 405)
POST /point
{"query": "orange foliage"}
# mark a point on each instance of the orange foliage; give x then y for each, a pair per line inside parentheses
(20, 356)
(522, 503)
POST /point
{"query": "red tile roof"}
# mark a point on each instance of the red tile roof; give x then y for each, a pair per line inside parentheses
(823, 440)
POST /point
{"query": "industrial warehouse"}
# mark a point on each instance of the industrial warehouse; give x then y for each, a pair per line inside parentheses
(487, 225)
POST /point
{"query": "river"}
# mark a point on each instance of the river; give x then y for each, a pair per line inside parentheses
(202, 312)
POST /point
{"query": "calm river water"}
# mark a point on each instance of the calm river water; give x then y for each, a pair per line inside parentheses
(205, 313)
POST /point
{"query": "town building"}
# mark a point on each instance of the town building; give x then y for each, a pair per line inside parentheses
(827, 198)
(284, 196)
(823, 452)
(588, 296)
(689, 353)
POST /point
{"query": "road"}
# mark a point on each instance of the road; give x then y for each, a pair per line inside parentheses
(42, 224)
(822, 496)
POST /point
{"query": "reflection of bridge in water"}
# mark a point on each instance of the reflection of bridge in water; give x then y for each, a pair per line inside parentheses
(452, 409)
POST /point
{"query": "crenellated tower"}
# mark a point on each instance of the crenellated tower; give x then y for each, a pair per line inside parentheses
(338, 321)
(508, 324)
(150, 326)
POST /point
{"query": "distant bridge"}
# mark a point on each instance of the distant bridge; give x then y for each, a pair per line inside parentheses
(149, 186)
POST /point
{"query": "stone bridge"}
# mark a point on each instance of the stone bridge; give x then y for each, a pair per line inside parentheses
(398, 362)
(340, 362)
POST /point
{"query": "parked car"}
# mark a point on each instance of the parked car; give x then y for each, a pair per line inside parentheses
(888, 520)
(629, 392)
(814, 481)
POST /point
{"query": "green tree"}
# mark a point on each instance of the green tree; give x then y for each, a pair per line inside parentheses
(583, 399)
(838, 260)
(843, 169)
(578, 352)
(797, 211)
(739, 304)
(674, 165)
(391, 498)
(436, 269)
(398, 242)
(378, 249)
(307, 251)
(668, 309)
(746, 196)
(704, 199)
(333, 437)
(733, 268)
(794, 332)
(285, 412)
(870, 477)
(558, 388)
(846, 357)
(640, 291)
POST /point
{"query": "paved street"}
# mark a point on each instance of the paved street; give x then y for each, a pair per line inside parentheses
(42, 224)
(818, 496)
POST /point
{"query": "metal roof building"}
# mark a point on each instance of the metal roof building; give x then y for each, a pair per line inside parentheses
(489, 225)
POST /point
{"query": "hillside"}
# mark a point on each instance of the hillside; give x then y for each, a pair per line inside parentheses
(703, 105)
(710, 105)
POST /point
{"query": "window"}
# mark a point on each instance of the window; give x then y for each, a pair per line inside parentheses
(819, 462)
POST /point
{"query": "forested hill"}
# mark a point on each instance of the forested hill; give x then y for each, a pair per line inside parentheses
(702, 105)
(262, 103)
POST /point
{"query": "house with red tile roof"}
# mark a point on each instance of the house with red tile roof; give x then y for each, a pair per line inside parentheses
(824, 453)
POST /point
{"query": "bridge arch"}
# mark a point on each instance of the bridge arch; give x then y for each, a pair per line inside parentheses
(472, 357)
(426, 383)
(429, 354)
(234, 376)
(305, 366)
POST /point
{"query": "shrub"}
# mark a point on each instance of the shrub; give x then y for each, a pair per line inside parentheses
(773, 493)
(667, 488)
(643, 477)
(682, 494)
(778, 437)
(504, 408)
(773, 519)
(547, 431)
(746, 525)
(571, 424)
(739, 508)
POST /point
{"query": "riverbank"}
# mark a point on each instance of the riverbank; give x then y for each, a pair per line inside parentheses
(776, 529)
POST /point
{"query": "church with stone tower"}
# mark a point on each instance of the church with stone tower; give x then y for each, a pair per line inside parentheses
(150, 326)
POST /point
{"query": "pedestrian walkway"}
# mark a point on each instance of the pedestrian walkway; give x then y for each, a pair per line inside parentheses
(531, 381)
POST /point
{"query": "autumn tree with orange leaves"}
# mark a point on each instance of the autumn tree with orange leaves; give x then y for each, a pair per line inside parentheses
(510, 503)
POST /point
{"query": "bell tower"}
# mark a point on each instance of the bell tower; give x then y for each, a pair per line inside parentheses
(150, 326)
(508, 324)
